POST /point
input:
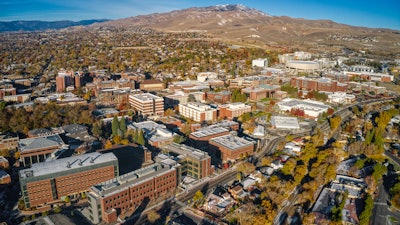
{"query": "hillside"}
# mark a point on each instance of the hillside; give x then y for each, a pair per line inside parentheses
(241, 25)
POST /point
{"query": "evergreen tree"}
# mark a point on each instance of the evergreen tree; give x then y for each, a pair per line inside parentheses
(115, 126)
(96, 130)
(136, 136)
(122, 126)
(140, 139)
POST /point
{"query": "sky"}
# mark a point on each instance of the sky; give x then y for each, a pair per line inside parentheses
(367, 13)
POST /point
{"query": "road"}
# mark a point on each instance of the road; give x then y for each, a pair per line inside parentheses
(381, 214)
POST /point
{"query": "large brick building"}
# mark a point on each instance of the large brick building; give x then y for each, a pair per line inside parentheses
(233, 110)
(147, 104)
(49, 182)
(125, 194)
(8, 142)
(231, 148)
(320, 84)
(198, 112)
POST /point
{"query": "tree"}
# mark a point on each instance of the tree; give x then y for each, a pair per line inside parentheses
(198, 198)
(108, 144)
(237, 96)
(191, 98)
(122, 126)
(179, 139)
(379, 171)
(115, 126)
(96, 130)
(153, 216)
(169, 112)
(335, 122)
(367, 212)
(141, 140)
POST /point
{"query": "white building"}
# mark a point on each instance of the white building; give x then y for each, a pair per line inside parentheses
(260, 63)
(205, 76)
(311, 108)
(341, 98)
(147, 104)
(198, 112)
(284, 122)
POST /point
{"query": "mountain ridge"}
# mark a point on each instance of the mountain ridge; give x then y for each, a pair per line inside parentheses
(38, 25)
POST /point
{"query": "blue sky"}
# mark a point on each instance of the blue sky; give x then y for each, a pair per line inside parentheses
(368, 13)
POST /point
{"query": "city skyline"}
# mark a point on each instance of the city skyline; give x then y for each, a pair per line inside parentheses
(356, 13)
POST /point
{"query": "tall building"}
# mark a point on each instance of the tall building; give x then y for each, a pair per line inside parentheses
(64, 79)
(126, 193)
(198, 112)
(50, 182)
(147, 104)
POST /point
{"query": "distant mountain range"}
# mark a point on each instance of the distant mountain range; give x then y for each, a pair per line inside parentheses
(36, 25)
(241, 25)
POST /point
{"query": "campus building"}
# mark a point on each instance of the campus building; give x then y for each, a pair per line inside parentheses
(125, 194)
(147, 104)
(320, 84)
(231, 148)
(310, 108)
(198, 112)
(38, 149)
(49, 182)
(194, 162)
(233, 110)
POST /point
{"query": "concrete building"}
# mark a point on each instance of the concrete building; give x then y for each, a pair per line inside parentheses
(206, 76)
(231, 148)
(311, 108)
(157, 135)
(285, 122)
(303, 66)
(341, 98)
(263, 63)
(198, 112)
(34, 150)
(50, 182)
(194, 162)
(125, 194)
(147, 104)
(233, 110)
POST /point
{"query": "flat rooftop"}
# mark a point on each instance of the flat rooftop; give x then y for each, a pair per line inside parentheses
(209, 131)
(289, 102)
(146, 97)
(65, 164)
(185, 150)
(232, 142)
(138, 176)
(285, 121)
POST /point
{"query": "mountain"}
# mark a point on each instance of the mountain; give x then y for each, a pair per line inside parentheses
(43, 25)
(241, 25)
